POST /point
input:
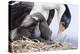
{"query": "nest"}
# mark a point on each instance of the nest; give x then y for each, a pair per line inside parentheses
(34, 45)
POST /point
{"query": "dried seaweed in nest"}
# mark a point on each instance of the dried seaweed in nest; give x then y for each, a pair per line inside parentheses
(33, 45)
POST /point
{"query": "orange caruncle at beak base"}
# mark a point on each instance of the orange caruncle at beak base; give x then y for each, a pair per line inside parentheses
(61, 27)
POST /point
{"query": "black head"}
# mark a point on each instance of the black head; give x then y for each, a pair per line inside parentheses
(66, 18)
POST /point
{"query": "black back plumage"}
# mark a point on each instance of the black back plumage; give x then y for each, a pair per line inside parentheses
(17, 13)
